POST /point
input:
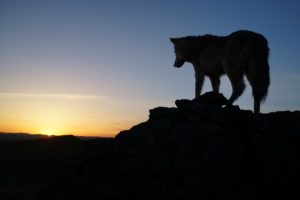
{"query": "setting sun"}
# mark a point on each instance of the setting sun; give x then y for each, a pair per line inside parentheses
(81, 115)
(49, 132)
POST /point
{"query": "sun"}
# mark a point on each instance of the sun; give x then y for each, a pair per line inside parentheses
(49, 132)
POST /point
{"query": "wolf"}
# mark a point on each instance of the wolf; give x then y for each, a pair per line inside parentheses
(240, 53)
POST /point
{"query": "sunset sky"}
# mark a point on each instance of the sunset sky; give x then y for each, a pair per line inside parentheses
(88, 67)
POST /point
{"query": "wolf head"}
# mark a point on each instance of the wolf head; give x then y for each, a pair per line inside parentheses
(182, 48)
(179, 60)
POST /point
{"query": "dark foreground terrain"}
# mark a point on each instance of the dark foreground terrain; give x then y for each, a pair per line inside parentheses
(198, 150)
(29, 163)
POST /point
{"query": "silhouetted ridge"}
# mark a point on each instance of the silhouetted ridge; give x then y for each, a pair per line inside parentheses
(65, 138)
(7, 137)
(198, 150)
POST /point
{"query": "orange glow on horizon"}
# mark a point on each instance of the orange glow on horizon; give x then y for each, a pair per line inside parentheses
(97, 131)
(78, 115)
(49, 132)
(54, 132)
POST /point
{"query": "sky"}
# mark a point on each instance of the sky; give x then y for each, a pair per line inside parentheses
(94, 68)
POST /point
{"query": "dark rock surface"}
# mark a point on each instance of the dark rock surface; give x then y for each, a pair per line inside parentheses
(199, 150)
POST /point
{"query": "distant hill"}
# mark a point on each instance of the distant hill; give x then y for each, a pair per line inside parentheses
(197, 150)
(29, 163)
(4, 137)
(9, 137)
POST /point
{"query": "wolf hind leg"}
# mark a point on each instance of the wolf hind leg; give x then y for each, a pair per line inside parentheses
(257, 94)
(259, 79)
(257, 101)
(238, 87)
(215, 83)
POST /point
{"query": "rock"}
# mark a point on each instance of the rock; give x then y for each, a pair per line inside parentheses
(161, 112)
(211, 98)
(184, 104)
(199, 150)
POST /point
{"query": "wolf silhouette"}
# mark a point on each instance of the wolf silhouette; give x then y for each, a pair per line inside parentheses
(241, 53)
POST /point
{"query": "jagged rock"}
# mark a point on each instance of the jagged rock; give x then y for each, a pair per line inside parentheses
(198, 150)
(210, 99)
(161, 112)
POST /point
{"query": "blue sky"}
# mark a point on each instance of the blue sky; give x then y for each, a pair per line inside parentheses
(97, 67)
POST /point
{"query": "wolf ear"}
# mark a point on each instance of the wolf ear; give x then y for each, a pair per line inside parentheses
(173, 40)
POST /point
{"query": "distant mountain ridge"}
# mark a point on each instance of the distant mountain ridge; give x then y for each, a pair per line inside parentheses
(5, 137)
(11, 137)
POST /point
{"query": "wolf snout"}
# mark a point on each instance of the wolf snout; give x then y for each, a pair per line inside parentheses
(178, 63)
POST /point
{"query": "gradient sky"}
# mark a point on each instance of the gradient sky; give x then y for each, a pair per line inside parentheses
(96, 67)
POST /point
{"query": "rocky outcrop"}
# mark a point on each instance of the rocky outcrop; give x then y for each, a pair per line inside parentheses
(198, 150)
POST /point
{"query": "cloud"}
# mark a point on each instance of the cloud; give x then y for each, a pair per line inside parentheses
(54, 96)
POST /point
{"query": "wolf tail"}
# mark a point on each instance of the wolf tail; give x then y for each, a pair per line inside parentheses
(259, 76)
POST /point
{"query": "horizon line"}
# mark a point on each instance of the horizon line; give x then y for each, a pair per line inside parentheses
(26, 133)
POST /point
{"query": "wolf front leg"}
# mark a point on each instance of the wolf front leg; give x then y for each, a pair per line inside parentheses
(199, 76)
(215, 83)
